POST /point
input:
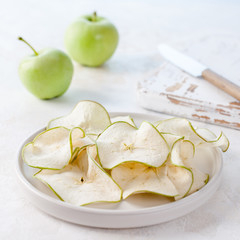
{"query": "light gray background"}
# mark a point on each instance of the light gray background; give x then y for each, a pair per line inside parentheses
(142, 26)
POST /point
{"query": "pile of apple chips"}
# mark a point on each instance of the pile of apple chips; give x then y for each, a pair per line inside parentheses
(88, 157)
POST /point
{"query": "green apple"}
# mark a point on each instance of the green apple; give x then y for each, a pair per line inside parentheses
(47, 73)
(91, 40)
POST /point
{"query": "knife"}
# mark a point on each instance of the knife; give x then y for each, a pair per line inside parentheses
(197, 69)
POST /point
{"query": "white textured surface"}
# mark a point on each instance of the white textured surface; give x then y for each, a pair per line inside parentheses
(142, 26)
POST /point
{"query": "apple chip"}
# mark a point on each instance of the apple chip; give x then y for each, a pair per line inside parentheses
(55, 148)
(82, 182)
(200, 179)
(134, 177)
(222, 142)
(121, 142)
(50, 149)
(182, 157)
(182, 179)
(183, 127)
(80, 140)
(182, 152)
(180, 127)
(206, 134)
(127, 119)
(92, 117)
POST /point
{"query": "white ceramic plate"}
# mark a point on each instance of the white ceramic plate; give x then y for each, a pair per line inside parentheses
(137, 211)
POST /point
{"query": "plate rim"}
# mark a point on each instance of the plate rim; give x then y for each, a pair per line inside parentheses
(117, 212)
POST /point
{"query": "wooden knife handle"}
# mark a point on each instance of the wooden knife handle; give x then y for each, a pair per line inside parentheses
(222, 83)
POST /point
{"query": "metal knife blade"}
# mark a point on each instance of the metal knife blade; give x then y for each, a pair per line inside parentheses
(182, 61)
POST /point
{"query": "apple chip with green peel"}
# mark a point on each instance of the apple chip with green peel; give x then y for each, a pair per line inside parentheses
(192, 179)
(182, 179)
(82, 182)
(184, 155)
(183, 127)
(200, 179)
(134, 177)
(121, 142)
(55, 148)
(80, 140)
(222, 141)
(182, 152)
(206, 134)
(127, 119)
(180, 127)
(50, 149)
(91, 116)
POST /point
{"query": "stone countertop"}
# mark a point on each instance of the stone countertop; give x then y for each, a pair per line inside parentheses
(142, 26)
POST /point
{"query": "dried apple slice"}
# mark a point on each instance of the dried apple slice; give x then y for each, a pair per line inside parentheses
(80, 140)
(127, 119)
(222, 141)
(121, 142)
(82, 182)
(181, 176)
(134, 177)
(91, 116)
(200, 179)
(182, 152)
(206, 134)
(182, 156)
(54, 148)
(50, 149)
(183, 127)
(182, 179)
(180, 127)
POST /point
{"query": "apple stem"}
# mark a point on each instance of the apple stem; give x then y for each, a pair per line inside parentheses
(21, 39)
(94, 17)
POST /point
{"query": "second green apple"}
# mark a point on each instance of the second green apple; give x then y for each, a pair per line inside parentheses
(91, 40)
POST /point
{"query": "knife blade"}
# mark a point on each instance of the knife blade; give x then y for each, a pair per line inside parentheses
(197, 69)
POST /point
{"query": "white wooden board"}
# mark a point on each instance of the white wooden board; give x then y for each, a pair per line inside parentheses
(170, 90)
